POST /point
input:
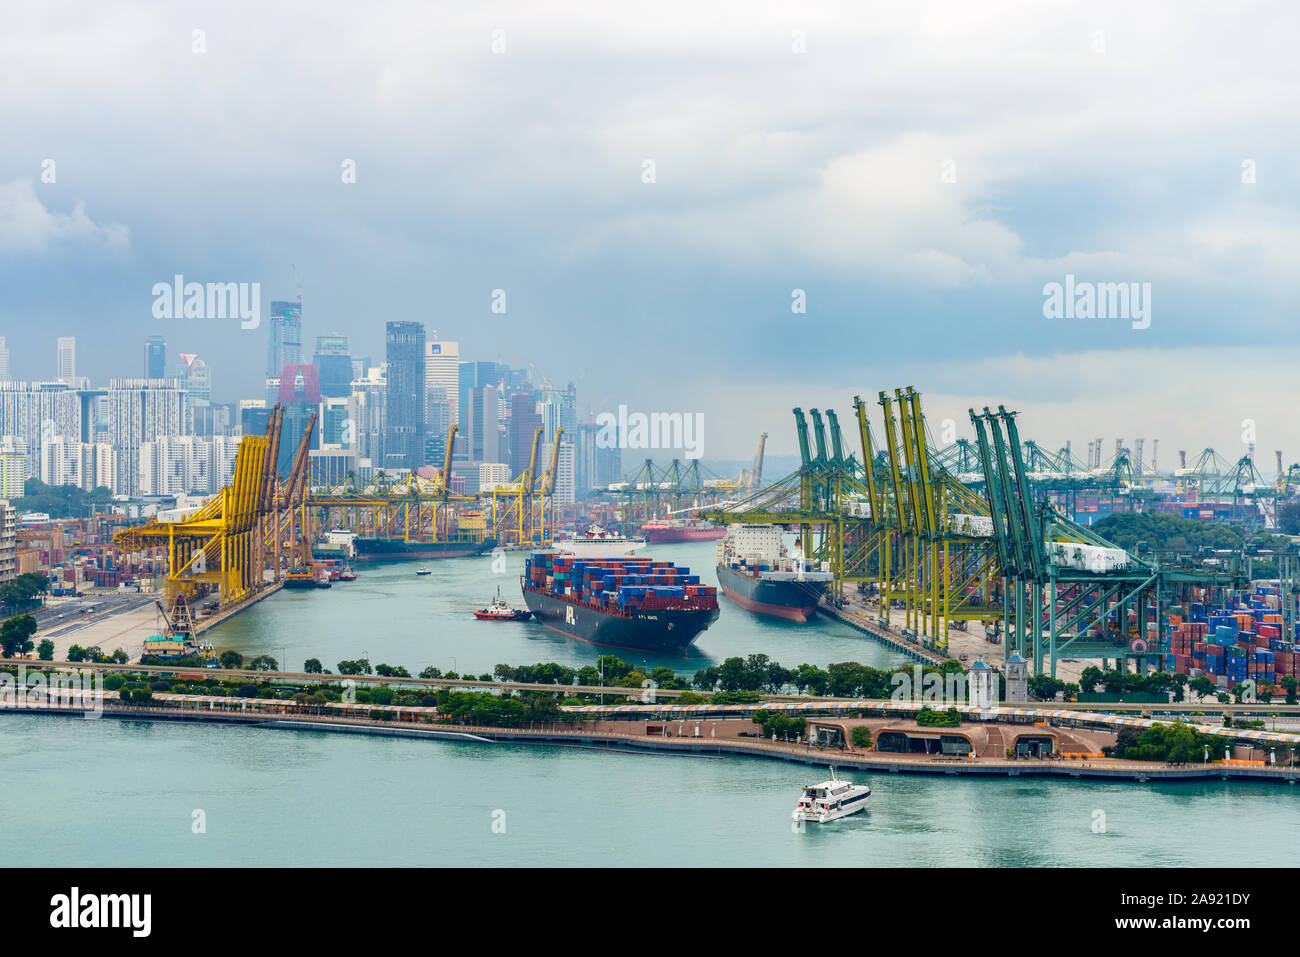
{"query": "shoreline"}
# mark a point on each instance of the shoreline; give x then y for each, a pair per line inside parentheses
(864, 761)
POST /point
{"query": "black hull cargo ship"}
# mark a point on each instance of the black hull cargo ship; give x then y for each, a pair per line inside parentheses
(630, 603)
(398, 549)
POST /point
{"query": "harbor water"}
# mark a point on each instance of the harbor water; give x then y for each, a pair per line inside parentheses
(113, 792)
(391, 615)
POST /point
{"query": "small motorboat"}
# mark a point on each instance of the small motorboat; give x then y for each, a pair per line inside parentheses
(422, 570)
(498, 610)
(323, 581)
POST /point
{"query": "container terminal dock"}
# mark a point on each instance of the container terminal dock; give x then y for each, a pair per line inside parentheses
(975, 550)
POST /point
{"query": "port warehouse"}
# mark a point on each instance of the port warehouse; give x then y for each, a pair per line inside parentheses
(843, 709)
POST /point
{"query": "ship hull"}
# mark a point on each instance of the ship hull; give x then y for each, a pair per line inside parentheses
(398, 550)
(668, 536)
(661, 632)
(791, 600)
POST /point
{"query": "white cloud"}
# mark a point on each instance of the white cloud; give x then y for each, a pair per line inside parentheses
(26, 226)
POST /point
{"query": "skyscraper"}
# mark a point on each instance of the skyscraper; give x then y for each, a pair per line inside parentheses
(67, 359)
(404, 439)
(4, 360)
(442, 369)
(481, 424)
(284, 338)
(334, 366)
(524, 420)
(472, 375)
(155, 357)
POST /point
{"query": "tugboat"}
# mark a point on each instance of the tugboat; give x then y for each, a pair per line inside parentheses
(323, 581)
(498, 610)
(830, 800)
(422, 570)
(348, 575)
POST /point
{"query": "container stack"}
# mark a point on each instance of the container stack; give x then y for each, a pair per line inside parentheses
(619, 585)
(1233, 644)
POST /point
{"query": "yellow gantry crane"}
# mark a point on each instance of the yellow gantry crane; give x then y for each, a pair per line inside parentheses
(240, 534)
(414, 510)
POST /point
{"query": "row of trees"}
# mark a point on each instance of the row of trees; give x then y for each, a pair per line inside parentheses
(23, 590)
(1163, 682)
(61, 501)
(845, 679)
(1159, 531)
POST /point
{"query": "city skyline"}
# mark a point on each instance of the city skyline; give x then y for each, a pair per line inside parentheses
(685, 224)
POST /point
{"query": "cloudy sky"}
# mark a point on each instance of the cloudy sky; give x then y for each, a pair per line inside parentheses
(920, 171)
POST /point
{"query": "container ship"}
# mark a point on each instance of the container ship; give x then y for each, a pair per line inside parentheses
(399, 549)
(668, 531)
(756, 573)
(624, 602)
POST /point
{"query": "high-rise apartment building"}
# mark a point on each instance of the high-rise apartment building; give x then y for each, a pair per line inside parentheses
(38, 412)
(13, 474)
(141, 410)
(4, 360)
(8, 541)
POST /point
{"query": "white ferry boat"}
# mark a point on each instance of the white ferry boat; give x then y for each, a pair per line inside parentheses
(830, 800)
(599, 543)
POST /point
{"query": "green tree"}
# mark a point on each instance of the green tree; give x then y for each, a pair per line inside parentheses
(1288, 683)
(45, 650)
(16, 634)
(860, 736)
(1202, 686)
(231, 660)
(312, 666)
(1090, 678)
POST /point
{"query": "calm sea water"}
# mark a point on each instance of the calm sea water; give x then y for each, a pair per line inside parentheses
(391, 615)
(111, 792)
